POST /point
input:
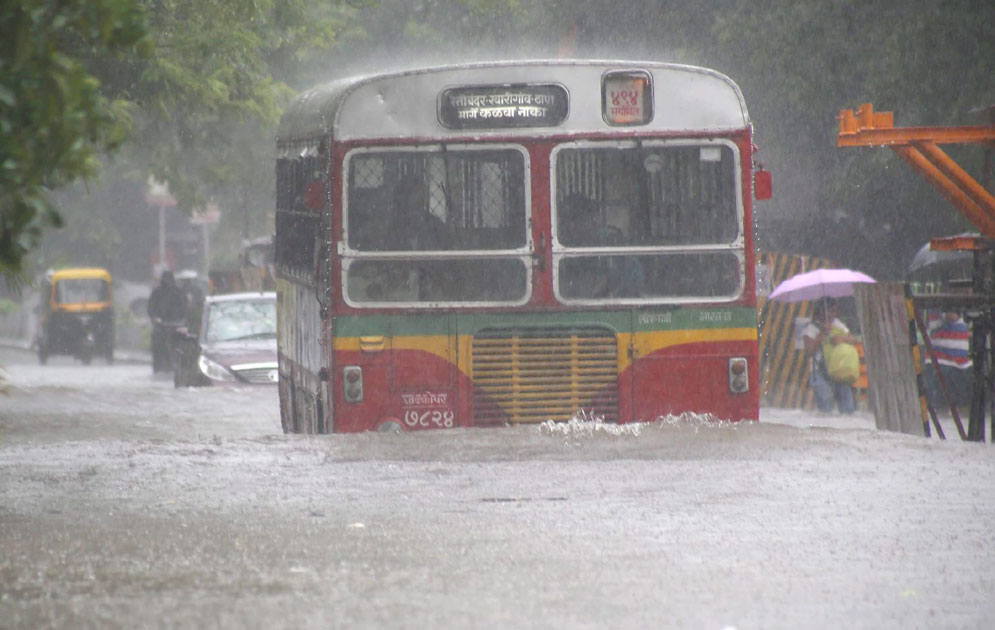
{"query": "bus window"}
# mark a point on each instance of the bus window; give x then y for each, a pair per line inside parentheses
(630, 197)
(653, 194)
(468, 199)
(652, 276)
(437, 280)
(430, 200)
(297, 221)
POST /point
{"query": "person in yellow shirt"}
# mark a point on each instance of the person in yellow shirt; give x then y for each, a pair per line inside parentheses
(826, 328)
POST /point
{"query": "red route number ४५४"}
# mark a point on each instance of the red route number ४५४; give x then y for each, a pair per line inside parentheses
(625, 106)
(428, 418)
(625, 98)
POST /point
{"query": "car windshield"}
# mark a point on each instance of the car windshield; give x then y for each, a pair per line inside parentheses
(232, 320)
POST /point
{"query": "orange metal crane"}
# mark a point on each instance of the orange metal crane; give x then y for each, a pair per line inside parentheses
(918, 147)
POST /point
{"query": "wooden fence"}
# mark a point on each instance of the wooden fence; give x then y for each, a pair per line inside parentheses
(893, 395)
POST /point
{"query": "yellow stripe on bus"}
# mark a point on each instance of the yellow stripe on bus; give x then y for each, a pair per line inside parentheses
(642, 343)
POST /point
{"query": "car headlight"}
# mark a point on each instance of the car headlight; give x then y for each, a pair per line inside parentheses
(213, 370)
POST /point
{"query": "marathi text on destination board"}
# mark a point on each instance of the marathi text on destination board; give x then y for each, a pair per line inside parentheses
(487, 107)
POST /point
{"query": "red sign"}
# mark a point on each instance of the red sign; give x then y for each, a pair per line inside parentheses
(628, 99)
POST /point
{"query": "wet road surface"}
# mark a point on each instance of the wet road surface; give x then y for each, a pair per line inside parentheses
(127, 504)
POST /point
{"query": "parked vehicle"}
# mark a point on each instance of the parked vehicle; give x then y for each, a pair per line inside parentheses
(77, 315)
(235, 343)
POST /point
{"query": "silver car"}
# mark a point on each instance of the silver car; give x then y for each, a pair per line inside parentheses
(236, 343)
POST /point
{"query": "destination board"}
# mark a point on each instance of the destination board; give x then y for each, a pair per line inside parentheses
(503, 106)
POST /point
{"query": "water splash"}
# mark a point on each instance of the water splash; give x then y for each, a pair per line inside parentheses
(696, 421)
(586, 424)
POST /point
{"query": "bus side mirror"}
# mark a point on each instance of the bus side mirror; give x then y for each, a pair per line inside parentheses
(763, 186)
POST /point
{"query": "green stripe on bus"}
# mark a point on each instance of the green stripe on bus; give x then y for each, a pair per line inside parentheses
(619, 321)
(695, 318)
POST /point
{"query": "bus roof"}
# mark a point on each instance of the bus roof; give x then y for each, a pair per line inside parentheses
(405, 104)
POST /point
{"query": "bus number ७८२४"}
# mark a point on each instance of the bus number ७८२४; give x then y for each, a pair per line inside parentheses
(436, 417)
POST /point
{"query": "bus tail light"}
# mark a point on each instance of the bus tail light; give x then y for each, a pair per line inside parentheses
(739, 375)
(352, 383)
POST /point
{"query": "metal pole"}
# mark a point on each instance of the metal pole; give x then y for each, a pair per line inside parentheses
(939, 379)
(162, 238)
(990, 383)
(979, 355)
(986, 181)
(207, 248)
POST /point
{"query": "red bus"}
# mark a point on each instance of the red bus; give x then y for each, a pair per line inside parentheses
(506, 243)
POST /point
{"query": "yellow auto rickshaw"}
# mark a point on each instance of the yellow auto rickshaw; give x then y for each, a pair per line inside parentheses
(77, 314)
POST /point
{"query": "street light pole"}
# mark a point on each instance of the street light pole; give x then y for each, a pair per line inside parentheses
(162, 238)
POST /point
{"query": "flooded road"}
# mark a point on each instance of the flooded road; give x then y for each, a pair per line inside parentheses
(127, 504)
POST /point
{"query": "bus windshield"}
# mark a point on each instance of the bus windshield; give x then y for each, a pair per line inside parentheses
(624, 197)
(428, 202)
(439, 199)
(673, 194)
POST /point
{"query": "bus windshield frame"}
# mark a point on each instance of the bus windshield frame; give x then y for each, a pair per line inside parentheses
(408, 263)
(610, 260)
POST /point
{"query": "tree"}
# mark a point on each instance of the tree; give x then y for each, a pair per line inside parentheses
(54, 119)
(177, 79)
(210, 78)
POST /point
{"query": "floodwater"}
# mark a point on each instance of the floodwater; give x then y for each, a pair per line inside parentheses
(127, 504)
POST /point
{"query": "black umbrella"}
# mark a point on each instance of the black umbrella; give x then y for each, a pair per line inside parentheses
(926, 257)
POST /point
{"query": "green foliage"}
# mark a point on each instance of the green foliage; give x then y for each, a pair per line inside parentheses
(212, 78)
(178, 79)
(54, 119)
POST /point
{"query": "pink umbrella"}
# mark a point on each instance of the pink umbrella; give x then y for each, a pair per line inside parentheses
(820, 283)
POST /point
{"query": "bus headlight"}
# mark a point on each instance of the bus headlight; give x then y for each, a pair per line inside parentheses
(739, 375)
(352, 383)
(212, 370)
